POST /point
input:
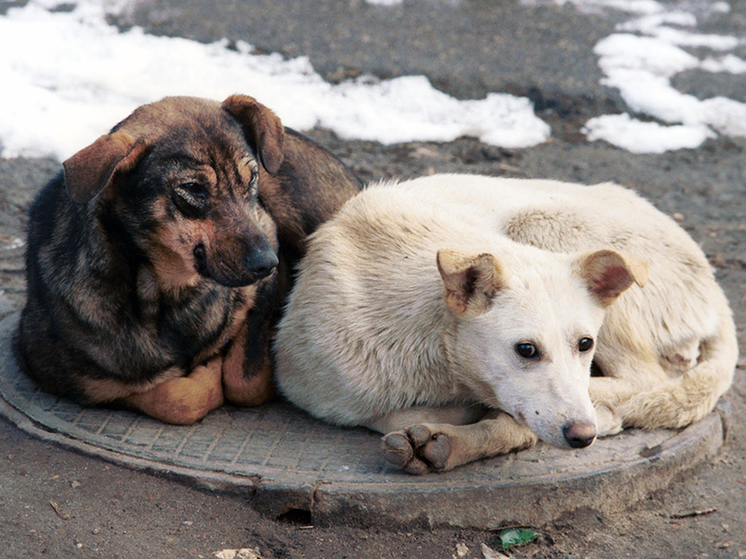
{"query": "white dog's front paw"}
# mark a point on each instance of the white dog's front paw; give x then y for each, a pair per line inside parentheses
(608, 422)
(418, 450)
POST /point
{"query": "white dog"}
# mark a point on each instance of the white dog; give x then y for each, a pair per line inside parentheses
(430, 310)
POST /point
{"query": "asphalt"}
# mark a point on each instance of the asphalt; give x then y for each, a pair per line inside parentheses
(622, 497)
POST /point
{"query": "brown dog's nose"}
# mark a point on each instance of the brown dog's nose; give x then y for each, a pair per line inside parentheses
(261, 263)
(579, 435)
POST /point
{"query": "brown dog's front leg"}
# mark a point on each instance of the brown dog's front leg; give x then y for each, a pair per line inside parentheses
(247, 382)
(247, 367)
(183, 400)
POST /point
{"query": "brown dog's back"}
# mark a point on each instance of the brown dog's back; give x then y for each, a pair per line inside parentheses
(147, 257)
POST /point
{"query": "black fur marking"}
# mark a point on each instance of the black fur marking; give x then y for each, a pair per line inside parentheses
(260, 320)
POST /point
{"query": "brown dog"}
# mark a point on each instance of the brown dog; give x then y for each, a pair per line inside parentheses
(159, 259)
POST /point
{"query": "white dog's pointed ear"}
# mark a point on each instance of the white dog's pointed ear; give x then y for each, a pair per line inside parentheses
(609, 274)
(470, 281)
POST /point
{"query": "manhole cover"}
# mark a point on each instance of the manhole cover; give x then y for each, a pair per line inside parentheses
(285, 460)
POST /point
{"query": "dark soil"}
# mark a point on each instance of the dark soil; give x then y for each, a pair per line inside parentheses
(57, 503)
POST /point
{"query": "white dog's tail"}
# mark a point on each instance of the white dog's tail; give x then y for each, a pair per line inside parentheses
(682, 401)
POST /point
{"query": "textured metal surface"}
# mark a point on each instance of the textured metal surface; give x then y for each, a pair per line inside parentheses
(269, 441)
(291, 461)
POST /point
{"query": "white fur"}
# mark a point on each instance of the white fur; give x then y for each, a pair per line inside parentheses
(369, 333)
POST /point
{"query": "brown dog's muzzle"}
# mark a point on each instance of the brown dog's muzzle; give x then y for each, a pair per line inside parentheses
(236, 262)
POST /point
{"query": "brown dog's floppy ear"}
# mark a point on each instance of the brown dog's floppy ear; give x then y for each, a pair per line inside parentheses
(90, 170)
(609, 274)
(470, 281)
(260, 125)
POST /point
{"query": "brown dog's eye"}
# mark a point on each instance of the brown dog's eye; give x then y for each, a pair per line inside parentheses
(194, 190)
(527, 350)
(191, 199)
(253, 181)
(585, 344)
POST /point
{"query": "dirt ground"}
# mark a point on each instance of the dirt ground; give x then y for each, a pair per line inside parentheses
(57, 503)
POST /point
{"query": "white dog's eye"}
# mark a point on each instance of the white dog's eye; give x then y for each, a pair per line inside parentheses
(585, 344)
(527, 350)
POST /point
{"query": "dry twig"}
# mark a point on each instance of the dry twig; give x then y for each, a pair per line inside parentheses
(58, 510)
(694, 513)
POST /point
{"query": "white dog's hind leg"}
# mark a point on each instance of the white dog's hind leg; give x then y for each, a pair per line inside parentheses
(608, 421)
(677, 403)
(609, 392)
(668, 404)
(428, 447)
(671, 403)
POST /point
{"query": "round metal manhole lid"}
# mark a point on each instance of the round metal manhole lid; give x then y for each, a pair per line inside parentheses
(287, 460)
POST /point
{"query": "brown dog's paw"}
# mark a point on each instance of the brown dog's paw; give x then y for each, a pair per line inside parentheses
(417, 450)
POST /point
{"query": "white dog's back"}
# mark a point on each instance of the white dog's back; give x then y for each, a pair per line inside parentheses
(367, 315)
(367, 330)
(681, 319)
(368, 302)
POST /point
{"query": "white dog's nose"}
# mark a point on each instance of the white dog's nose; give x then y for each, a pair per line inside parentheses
(579, 435)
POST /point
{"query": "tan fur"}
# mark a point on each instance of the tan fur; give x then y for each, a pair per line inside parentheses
(109, 390)
(183, 400)
(456, 292)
